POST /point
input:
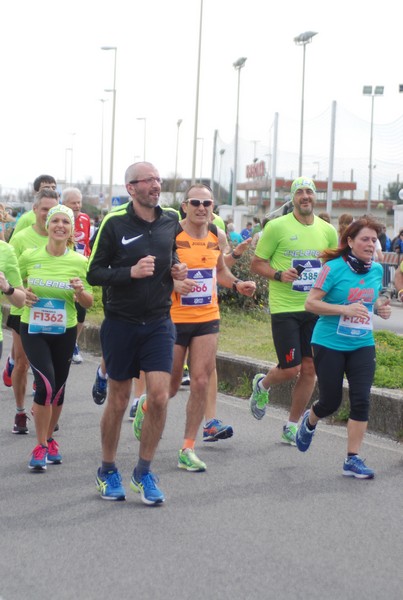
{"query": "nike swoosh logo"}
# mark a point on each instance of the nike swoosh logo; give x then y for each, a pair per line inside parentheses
(130, 240)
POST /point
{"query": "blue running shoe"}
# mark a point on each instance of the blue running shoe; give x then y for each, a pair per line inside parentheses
(38, 458)
(133, 410)
(147, 488)
(110, 485)
(354, 466)
(8, 369)
(303, 437)
(99, 389)
(214, 430)
(53, 457)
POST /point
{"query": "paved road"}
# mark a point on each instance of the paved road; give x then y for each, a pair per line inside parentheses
(264, 521)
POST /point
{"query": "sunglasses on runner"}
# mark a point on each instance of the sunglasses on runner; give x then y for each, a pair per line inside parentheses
(196, 203)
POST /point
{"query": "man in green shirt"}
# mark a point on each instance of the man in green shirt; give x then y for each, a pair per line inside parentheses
(287, 254)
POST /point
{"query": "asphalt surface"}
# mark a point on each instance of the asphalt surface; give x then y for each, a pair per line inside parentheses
(264, 520)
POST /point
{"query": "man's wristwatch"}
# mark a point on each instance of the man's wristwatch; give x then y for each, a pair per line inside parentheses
(277, 275)
(10, 291)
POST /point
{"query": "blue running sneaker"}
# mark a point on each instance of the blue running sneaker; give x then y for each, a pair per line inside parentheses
(53, 457)
(8, 369)
(99, 389)
(259, 399)
(110, 485)
(38, 458)
(354, 466)
(76, 359)
(214, 430)
(133, 410)
(147, 488)
(303, 437)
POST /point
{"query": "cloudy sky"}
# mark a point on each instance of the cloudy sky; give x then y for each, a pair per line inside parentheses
(53, 75)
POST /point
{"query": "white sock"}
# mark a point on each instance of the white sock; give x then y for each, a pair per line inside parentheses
(292, 423)
(102, 376)
(261, 386)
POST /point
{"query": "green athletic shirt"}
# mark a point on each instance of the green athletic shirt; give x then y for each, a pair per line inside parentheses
(26, 219)
(49, 276)
(24, 240)
(218, 221)
(286, 242)
(9, 266)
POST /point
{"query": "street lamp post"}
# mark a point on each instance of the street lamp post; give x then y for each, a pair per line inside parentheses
(101, 186)
(369, 91)
(219, 175)
(178, 124)
(302, 40)
(200, 139)
(237, 66)
(145, 135)
(113, 90)
(197, 95)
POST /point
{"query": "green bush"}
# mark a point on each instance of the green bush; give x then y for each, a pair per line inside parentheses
(241, 270)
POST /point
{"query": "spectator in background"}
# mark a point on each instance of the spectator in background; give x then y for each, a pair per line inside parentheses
(397, 245)
(325, 216)
(7, 223)
(257, 226)
(344, 221)
(384, 239)
(247, 232)
(258, 235)
(233, 236)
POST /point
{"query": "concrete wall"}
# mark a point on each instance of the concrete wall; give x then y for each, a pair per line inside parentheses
(386, 415)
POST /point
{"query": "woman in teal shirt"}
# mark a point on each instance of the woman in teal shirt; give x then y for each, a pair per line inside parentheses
(346, 296)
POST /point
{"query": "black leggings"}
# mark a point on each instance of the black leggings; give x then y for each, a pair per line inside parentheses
(331, 365)
(50, 359)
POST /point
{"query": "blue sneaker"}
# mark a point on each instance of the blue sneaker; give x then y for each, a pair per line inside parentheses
(110, 485)
(38, 458)
(303, 437)
(354, 466)
(259, 399)
(99, 389)
(76, 359)
(8, 369)
(133, 410)
(214, 430)
(147, 488)
(53, 457)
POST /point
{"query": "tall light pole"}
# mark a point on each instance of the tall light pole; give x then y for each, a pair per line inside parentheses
(302, 40)
(101, 186)
(200, 139)
(145, 135)
(197, 95)
(369, 91)
(219, 175)
(237, 66)
(178, 124)
(113, 90)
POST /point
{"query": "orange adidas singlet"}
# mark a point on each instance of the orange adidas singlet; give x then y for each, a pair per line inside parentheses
(200, 255)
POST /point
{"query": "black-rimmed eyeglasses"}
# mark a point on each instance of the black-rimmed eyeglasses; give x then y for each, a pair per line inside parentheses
(148, 180)
(196, 203)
